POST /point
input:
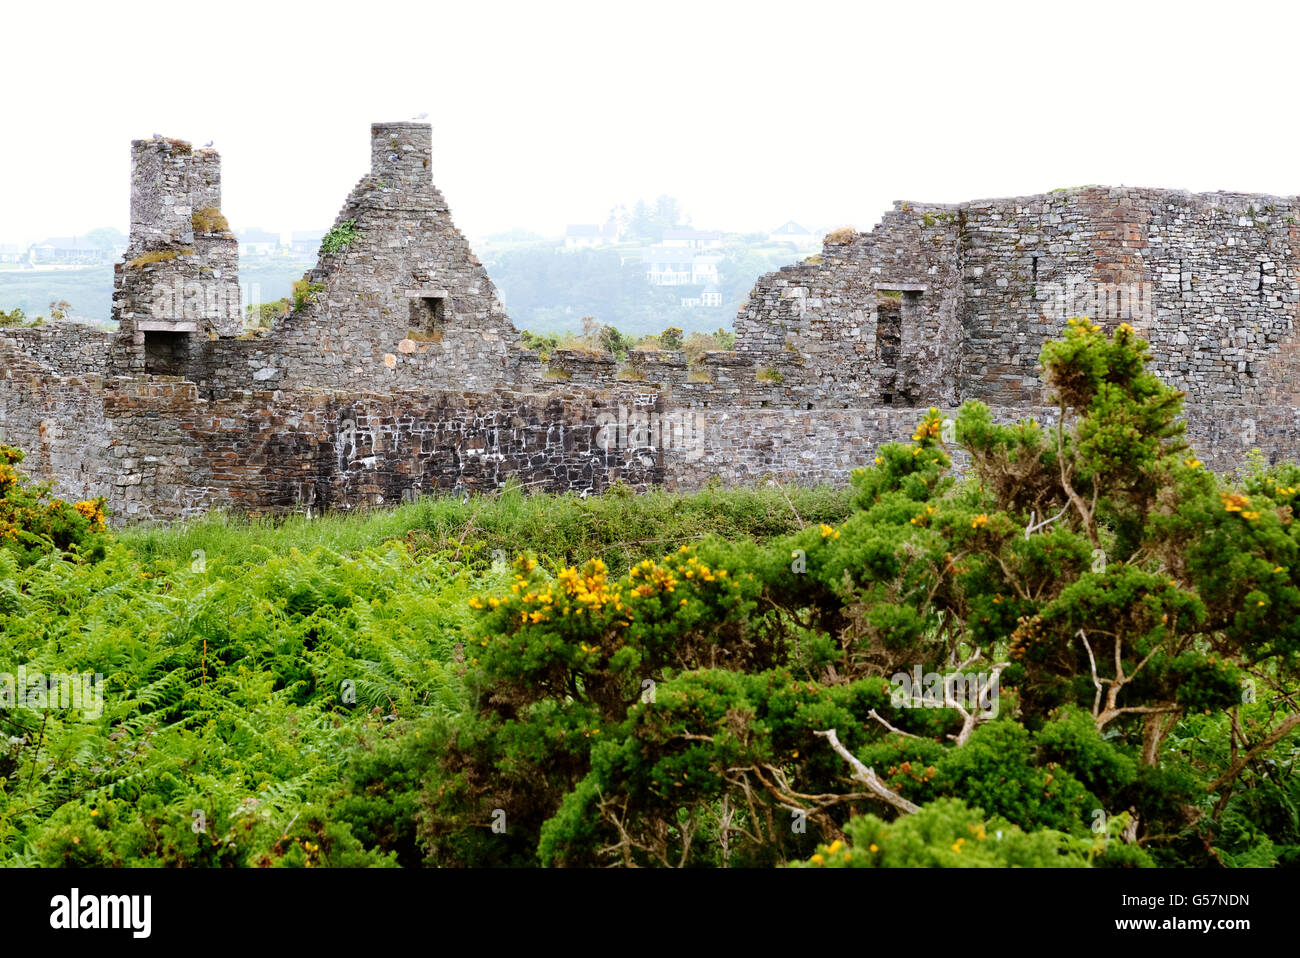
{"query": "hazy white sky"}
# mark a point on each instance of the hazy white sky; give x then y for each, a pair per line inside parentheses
(551, 112)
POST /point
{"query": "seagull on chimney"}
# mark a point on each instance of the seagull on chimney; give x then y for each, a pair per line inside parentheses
(207, 144)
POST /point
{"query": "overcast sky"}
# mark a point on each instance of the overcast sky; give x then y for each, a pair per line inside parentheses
(551, 112)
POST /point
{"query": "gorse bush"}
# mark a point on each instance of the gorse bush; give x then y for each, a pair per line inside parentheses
(1090, 577)
(32, 523)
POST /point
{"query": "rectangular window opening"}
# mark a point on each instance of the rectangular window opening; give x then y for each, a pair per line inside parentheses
(165, 353)
(428, 318)
(889, 330)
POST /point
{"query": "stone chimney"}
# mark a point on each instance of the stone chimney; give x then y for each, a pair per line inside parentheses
(401, 154)
(178, 285)
(160, 194)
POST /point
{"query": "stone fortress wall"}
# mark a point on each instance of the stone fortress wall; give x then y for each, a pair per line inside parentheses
(401, 374)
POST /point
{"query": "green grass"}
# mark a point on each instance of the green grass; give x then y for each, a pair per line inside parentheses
(618, 528)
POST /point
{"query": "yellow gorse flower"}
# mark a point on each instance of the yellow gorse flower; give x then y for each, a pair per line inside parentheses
(91, 510)
(929, 428)
(1234, 502)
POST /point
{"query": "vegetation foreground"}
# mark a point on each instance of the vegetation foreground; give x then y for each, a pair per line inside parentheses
(1083, 653)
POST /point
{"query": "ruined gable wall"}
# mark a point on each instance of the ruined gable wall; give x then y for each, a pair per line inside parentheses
(818, 323)
(1211, 280)
(368, 328)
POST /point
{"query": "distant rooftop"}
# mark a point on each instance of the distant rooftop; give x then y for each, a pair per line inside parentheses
(72, 243)
(791, 228)
(258, 236)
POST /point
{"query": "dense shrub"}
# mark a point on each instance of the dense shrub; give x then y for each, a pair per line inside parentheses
(32, 523)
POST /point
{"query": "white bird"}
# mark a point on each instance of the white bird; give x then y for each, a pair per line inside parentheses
(207, 144)
(422, 116)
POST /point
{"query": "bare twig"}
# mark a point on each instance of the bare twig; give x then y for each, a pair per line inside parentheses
(969, 720)
(1267, 742)
(1084, 513)
(868, 776)
(1034, 527)
(876, 715)
(798, 518)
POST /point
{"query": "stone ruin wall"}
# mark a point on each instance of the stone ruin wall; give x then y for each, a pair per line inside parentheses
(402, 375)
(1209, 279)
(58, 420)
(405, 305)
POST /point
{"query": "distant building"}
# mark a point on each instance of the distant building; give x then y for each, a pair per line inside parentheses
(305, 242)
(67, 251)
(679, 266)
(667, 265)
(258, 242)
(792, 232)
(692, 239)
(14, 253)
(704, 269)
(587, 235)
(710, 298)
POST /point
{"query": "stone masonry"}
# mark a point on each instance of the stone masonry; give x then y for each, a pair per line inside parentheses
(398, 372)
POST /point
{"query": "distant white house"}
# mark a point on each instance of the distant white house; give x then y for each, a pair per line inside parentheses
(704, 269)
(66, 251)
(792, 232)
(587, 235)
(257, 242)
(14, 253)
(709, 299)
(679, 266)
(668, 265)
(305, 242)
(692, 239)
